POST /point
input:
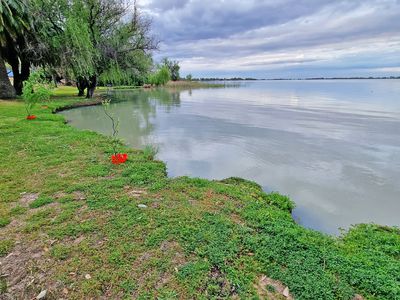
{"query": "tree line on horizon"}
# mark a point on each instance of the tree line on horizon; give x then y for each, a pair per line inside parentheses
(88, 42)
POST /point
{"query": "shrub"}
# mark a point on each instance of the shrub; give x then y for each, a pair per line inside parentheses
(160, 77)
(36, 89)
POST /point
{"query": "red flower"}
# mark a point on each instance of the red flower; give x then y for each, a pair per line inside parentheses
(31, 117)
(119, 158)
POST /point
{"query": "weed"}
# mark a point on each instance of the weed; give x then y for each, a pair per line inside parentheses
(150, 152)
(42, 200)
(5, 247)
(60, 252)
(4, 221)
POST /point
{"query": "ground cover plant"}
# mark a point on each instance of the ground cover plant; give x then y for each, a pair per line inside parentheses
(77, 226)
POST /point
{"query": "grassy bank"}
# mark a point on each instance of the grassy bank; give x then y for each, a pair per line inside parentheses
(79, 227)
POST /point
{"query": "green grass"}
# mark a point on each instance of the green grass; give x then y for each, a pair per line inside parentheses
(196, 239)
(40, 202)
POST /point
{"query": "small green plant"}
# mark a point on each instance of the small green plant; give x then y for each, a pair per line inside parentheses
(150, 151)
(36, 89)
(116, 158)
(114, 123)
(4, 221)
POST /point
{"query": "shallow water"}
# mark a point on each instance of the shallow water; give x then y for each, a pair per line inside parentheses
(332, 146)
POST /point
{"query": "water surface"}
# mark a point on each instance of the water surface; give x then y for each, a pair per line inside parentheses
(332, 146)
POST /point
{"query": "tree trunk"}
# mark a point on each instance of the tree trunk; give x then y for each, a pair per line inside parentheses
(91, 86)
(20, 77)
(6, 89)
(25, 69)
(17, 76)
(81, 84)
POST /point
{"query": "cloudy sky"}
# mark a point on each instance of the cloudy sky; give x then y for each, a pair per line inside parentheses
(278, 38)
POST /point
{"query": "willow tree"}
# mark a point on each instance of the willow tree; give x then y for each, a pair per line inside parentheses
(80, 39)
(107, 40)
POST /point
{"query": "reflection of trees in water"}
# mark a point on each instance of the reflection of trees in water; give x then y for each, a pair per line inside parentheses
(137, 110)
(166, 98)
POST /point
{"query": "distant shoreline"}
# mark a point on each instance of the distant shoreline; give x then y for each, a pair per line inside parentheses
(297, 79)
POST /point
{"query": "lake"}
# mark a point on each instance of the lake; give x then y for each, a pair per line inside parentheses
(333, 146)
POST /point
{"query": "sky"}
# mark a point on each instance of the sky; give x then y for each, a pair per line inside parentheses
(278, 39)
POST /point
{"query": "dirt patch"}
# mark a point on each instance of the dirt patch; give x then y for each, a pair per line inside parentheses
(109, 177)
(55, 205)
(59, 195)
(155, 205)
(27, 198)
(135, 193)
(79, 240)
(237, 219)
(78, 195)
(23, 272)
(268, 288)
(225, 287)
(170, 249)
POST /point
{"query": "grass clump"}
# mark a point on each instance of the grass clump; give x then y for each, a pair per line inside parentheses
(3, 285)
(41, 201)
(4, 221)
(150, 152)
(5, 247)
(60, 252)
(18, 210)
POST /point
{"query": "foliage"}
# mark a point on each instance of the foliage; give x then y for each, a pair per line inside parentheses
(173, 67)
(14, 20)
(36, 89)
(189, 77)
(160, 77)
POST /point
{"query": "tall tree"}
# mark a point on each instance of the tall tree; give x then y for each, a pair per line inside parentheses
(173, 66)
(105, 40)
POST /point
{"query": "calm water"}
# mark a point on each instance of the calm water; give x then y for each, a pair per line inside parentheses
(332, 146)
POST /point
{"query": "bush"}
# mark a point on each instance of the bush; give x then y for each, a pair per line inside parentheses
(161, 77)
(36, 89)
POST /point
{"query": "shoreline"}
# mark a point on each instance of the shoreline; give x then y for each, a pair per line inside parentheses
(92, 102)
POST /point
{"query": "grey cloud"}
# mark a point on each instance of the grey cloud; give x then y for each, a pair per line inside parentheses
(219, 19)
(217, 31)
